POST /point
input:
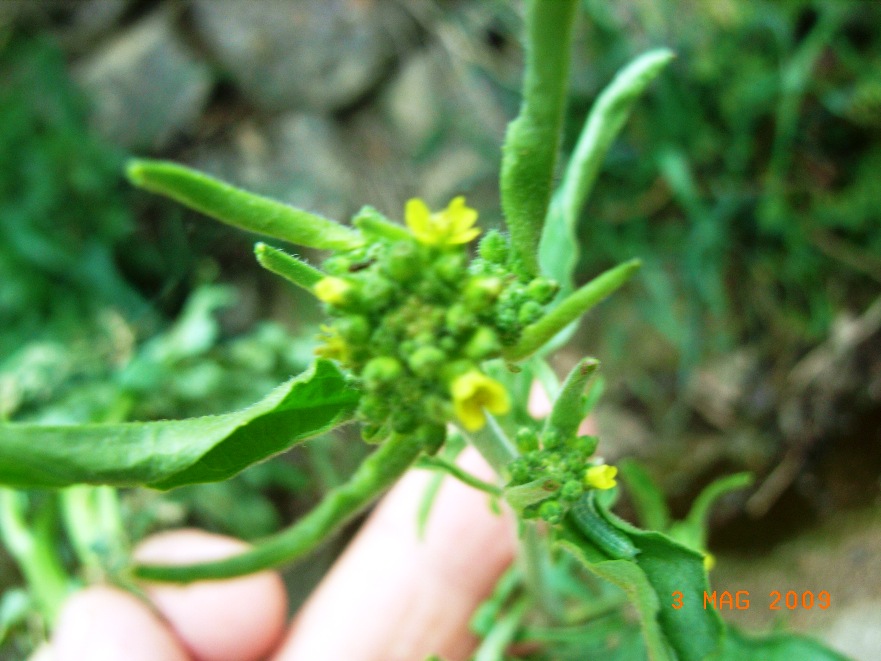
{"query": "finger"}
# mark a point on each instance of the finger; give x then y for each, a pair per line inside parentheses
(106, 624)
(395, 597)
(240, 619)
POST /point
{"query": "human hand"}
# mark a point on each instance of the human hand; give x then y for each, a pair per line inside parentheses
(391, 596)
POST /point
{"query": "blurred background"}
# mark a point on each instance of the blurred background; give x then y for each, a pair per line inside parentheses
(747, 181)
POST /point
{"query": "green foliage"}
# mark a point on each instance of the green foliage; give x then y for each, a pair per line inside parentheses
(743, 180)
(170, 453)
(61, 205)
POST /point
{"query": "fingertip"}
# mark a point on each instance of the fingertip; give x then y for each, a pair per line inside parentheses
(103, 623)
(238, 619)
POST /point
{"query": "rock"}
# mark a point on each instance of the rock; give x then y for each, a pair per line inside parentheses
(298, 158)
(302, 54)
(145, 84)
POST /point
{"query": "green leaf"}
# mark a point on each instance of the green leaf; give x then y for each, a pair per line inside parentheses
(693, 530)
(774, 647)
(239, 208)
(693, 632)
(628, 576)
(646, 496)
(558, 250)
(570, 406)
(170, 453)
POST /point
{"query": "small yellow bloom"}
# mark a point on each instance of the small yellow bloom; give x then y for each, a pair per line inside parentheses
(472, 392)
(601, 477)
(709, 561)
(452, 226)
(332, 290)
(334, 347)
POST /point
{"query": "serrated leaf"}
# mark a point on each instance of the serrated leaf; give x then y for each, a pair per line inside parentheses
(170, 453)
(628, 576)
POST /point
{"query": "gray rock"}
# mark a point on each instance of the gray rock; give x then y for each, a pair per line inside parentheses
(146, 86)
(301, 53)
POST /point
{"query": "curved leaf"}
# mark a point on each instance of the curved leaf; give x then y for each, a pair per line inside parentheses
(170, 453)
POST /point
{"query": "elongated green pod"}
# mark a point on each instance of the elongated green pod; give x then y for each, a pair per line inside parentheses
(288, 267)
(570, 309)
(373, 224)
(239, 208)
(594, 526)
(570, 406)
(529, 154)
(379, 471)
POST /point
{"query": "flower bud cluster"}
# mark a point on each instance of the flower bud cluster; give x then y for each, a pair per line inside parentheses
(553, 472)
(413, 320)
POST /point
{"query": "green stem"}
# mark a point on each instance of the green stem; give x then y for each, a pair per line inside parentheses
(288, 267)
(493, 445)
(530, 150)
(535, 558)
(94, 524)
(33, 549)
(570, 309)
(502, 634)
(339, 506)
(436, 463)
(239, 208)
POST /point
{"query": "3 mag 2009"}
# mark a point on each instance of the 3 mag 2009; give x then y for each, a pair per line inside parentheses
(778, 600)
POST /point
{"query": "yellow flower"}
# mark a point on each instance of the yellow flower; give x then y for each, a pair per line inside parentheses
(709, 561)
(332, 290)
(452, 226)
(601, 477)
(334, 347)
(472, 392)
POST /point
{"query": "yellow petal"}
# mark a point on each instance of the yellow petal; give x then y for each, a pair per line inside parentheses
(601, 477)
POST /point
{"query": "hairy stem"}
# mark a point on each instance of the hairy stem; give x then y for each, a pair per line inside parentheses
(379, 471)
(530, 150)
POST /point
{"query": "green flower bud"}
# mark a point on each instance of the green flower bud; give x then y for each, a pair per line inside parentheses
(551, 511)
(354, 329)
(571, 490)
(483, 344)
(403, 261)
(450, 267)
(438, 409)
(432, 437)
(520, 471)
(542, 290)
(526, 439)
(426, 361)
(336, 265)
(375, 292)
(373, 408)
(459, 319)
(493, 247)
(585, 445)
(529, 312)
(481, 292)
(404, 422)
(381, 371)
(551, 439)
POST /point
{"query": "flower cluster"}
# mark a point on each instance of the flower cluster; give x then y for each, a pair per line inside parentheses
(413, 318)
(553, 472)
